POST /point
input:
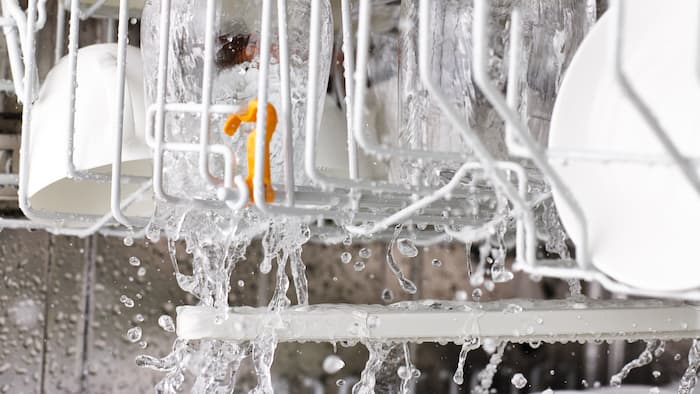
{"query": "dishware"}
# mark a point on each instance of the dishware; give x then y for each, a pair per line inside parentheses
(49, 185)
(642, 218)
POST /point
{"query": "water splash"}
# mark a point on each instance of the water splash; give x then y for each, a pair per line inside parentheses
(690, 376)
(407, 372)
(652, 349)
(407, 285)
(486, 376)
(377, 354)
(470, 343)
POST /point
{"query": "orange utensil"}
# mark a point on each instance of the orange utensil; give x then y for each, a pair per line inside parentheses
(250, 115)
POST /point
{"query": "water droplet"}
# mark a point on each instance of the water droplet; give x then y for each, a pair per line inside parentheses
(139, 318)
(476, 295)
(166, 323)
(134, 334)
(359, 266)
(656, 374)
(340, 382)
(143, 344)
(133, 260)
(365, 253)
(404, 373)
(332, 364)
(436, 263)
(460, 295)
(407, 247)
(347, 241)
(128, 241)
(513, 309)
(126, 301)
(241, 283)
(519, 381)
(345, 257)
(387, 295)
(141, 272)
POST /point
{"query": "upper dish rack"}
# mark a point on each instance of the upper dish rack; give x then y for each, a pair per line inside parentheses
(364, 207)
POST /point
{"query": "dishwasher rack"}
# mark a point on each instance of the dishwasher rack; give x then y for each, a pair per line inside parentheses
(350, 201)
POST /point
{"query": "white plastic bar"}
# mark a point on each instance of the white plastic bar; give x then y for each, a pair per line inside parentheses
(512, 89)
(12, 8)
(60, 31)
(207, 80)
(286, 101)
(514, 320)
(14, 48)
(564, 269)
(73, 35)
(684, 166)
(189, 108)
(349, 70)
(41, 15)
(483, 81)
(115, 193)
(84, 15)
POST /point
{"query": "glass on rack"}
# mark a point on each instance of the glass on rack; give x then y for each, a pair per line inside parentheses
(236, 66)
(552, 31)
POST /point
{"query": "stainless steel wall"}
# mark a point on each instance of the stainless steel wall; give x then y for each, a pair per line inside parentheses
(63, 327)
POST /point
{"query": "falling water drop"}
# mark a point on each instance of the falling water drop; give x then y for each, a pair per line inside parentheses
(365, 253)
(332, 364)
(133, 260)
(134, 334)
(407, 285)
(406, 247)
(345, 257)
(387, 295)
(166, 323)
(436, 263)
(126, 301)
(518, 380)
(359, 266)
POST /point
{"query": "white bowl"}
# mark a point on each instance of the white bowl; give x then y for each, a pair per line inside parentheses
(48, 185)
(642, 219)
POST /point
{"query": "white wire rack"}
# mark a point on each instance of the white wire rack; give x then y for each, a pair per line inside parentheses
(350, 200)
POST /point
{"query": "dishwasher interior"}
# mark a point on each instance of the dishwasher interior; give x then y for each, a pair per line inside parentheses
(351, 196)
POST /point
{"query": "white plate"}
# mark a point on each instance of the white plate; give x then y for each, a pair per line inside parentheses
(642, 219)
